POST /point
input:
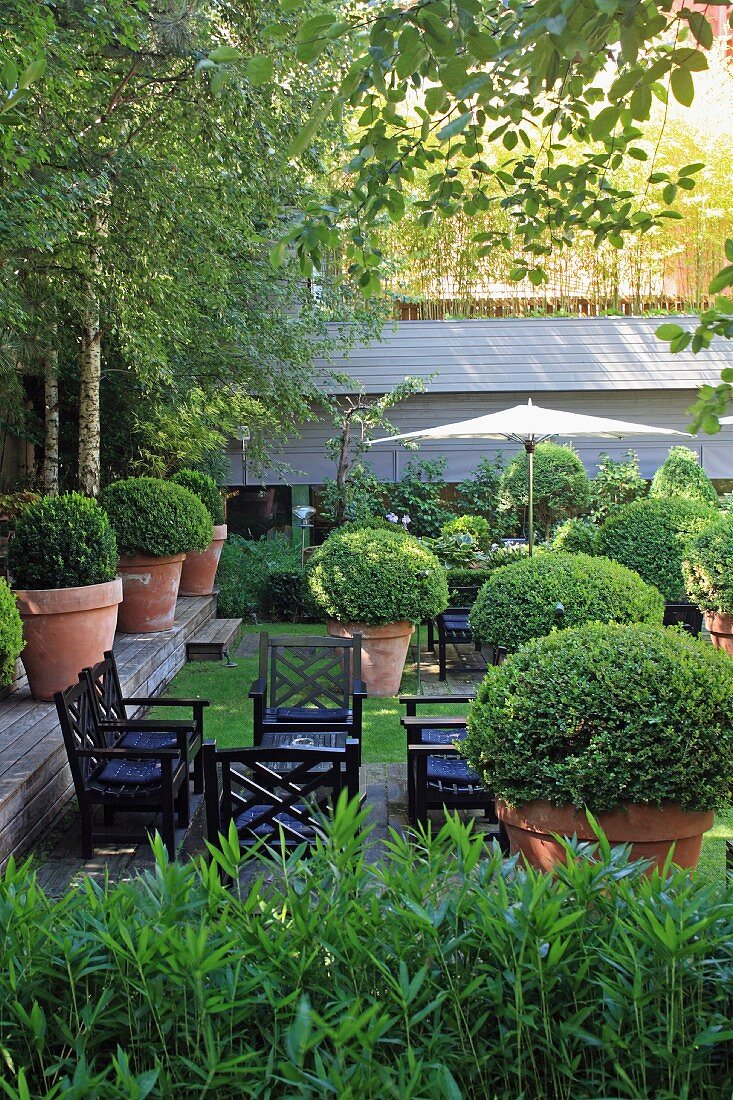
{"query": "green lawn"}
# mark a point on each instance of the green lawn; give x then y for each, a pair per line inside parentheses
(229, 721)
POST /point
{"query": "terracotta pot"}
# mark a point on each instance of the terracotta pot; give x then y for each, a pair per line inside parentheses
(721, 630)
(650, 830)
(150, 590)
(383, 653)
(66, 629)
(199, 568)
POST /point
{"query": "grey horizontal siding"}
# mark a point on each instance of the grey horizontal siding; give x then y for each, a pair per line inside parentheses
(532, 356)
(662, 408)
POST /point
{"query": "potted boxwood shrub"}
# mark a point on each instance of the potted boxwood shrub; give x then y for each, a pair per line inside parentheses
(520, 601)
(199, 566)
(11, 637)
(378, 583)
(63, 560)
(633, 723)
(708, 571)
(156, 523)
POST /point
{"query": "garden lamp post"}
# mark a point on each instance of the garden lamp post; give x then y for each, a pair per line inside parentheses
(243, 435)
(305, 513)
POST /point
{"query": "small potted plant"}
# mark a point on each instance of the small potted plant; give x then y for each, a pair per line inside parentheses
(199, 566)
(11, 637)
(378, 583)
(63, 561)
(534, 595)
(633, 723)
(156, 524)
(708, 571)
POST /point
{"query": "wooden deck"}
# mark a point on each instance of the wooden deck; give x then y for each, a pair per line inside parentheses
(35, 781)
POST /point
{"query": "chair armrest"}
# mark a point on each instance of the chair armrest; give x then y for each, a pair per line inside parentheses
(160, 701)
(259, 687)
(439, 700)
(432, 721)
(130, 754)
(149, 725)
(432, 750)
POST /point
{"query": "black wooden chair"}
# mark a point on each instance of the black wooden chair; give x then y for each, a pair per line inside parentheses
(110, 708)
(452, 626)
(308, 683)
(120, 779)
(438, 778)
(686, 615)
(276, 795)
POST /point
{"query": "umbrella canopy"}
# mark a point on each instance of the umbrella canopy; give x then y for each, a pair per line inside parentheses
(529, 425)
(726, 420)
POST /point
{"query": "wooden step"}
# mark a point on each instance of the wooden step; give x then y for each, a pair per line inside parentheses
(213, 641)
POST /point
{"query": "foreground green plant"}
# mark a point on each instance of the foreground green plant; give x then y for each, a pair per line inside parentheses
(437, 972)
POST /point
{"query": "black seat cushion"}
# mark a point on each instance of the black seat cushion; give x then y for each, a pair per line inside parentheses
(311, 714)
(148, 739)
(134, 772)
(448, 769)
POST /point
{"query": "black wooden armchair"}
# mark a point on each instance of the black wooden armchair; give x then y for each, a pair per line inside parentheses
(452, 626)
(107, 774)
(110, 708)
(276, 795)
(308, 683)
(437, 775)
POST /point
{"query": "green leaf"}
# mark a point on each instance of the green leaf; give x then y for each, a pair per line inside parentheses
(722, 280)
(668, 331)
(455, 126)
(683, 88)
(259, 70)
(700, 27)
(33, 72)
(729, 250)
(224, 54)
(314, 27)
(303, 139)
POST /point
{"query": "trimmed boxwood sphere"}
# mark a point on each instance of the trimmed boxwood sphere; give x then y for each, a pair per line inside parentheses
(206, 489)
(708, 567)
(576, 536)
(377, 577)
(155, 517)
(607, 714)
(62, 542)
(649, 536)
(11, 633)
(475, 526)
(518, 602)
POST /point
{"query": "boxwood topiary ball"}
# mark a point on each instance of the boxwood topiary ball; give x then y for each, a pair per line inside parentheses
(649, 536)
(606, 714)
(62, 542)
(155, 517)
(708, 567)
(11, 634)
(377, 577)
(519, 602)
(206, 489)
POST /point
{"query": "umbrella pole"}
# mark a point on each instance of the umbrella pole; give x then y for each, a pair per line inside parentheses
(529, 447)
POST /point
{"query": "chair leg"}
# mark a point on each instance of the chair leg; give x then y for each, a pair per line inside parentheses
(183, 803)
(442, 674)
(198, 773)
(87, 843)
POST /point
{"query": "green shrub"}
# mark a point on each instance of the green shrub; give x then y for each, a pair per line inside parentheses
(681, 477)
(460, 576)
(615, 484)
(287, 595)
(576, 536)
(518, 603)
(607, 714)
(440, 972)
(244, 572)
(419, 495)
(62, 542)
(479, 493)
(708, 567)
(206, 489)
(156, 517)
(475, 526)
(376, 577)
(362, 496)
(561, 485)
(11, 634)
(649, 536)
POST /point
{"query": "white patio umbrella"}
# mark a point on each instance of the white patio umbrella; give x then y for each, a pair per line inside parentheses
(529, 425)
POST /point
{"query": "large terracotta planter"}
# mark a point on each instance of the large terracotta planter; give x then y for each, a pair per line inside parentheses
(66, 629)
(650, 830)
(721, 630)
(150, 590)
(199, 568)
(383, 653)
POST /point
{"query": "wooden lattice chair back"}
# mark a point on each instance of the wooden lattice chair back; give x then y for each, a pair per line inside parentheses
(308, 676)
(81, 733)
(274, 794)
(107, 691)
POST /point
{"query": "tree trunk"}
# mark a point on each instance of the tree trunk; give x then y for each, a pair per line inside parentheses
(91, 368)
(51, 451)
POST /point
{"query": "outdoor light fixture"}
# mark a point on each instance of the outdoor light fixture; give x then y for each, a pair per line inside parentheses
(305, 513)
(243, 435)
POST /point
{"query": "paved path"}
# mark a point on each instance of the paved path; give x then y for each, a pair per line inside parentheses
(384, 785)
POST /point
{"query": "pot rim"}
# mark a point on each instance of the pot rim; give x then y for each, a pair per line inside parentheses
(50, 601)
(134, 561)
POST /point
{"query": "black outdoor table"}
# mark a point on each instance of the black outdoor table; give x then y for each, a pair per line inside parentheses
(322, 739)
